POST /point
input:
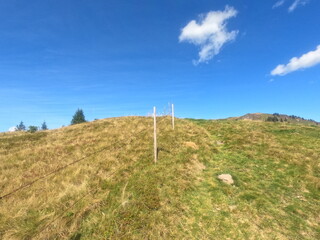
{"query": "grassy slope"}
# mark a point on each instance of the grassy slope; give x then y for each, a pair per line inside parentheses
(277, 172)
(120, 193)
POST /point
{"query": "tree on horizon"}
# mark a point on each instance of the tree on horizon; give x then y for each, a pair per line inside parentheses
(44, 126)
(21, 127)
(78, 117)
(33, 129)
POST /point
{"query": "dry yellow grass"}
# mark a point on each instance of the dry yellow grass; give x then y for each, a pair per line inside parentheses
(72, 199)
(117, 192)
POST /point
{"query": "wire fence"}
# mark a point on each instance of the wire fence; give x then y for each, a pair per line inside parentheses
(94, 191)
(55, 171)
(61, 168)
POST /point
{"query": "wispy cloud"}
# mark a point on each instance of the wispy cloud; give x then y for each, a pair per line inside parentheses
(293, 5)
(210, 33)
(307, 60)
(278, 4)
(296, 3)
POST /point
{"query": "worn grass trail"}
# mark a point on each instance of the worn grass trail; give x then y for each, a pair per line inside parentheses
(119, 193)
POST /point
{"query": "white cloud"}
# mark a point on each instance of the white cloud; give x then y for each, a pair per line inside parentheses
(296, 3)
(307, 60)
(293, 5)
(210, 33)
(278, 4)
(12, 129)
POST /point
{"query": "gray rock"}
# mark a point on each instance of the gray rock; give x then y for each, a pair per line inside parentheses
(226, 178)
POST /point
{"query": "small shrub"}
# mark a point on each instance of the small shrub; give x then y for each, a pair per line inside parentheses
(32, 129)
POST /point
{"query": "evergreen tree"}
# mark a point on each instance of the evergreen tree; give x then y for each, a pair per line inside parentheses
(78, 117)
(44, 126)
(21, 127)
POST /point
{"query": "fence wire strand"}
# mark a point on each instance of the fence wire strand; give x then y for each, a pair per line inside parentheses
(88, 193)
(59, 169)
(55, 171)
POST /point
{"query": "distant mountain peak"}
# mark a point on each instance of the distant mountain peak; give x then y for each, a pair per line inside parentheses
(276, 117)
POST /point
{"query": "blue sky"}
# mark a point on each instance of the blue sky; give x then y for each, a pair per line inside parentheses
(117, 58)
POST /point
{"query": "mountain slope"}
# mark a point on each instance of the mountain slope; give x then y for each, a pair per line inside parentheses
(276, 117)
(112, 189)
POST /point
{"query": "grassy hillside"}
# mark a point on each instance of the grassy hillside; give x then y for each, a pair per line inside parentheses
(113, 190)
(277, 187)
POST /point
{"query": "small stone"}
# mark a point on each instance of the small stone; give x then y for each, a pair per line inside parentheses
(226, 178)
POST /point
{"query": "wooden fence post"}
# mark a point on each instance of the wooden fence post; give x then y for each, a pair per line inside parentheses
(155, 134)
